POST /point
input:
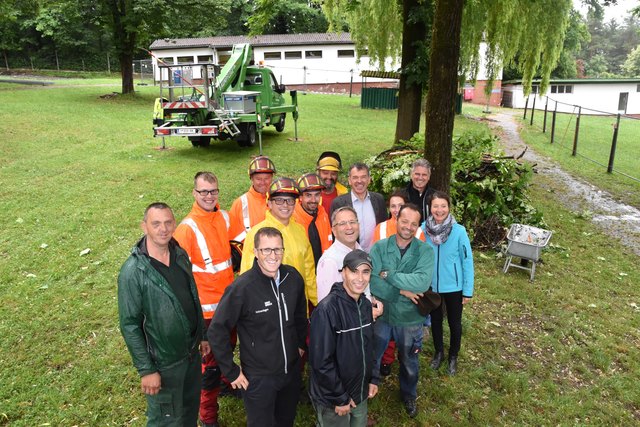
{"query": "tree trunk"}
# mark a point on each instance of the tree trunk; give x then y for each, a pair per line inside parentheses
(6, 59)
(443, 83)
(126, 68)
(410, 94)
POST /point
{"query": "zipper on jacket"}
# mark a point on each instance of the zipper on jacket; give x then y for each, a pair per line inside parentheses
(286, 311)
(276, 292)
(455, 270)
(438, 271)
(364, 360)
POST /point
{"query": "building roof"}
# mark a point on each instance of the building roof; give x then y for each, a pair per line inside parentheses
(261, 40)
(576, 81)
(380, 74)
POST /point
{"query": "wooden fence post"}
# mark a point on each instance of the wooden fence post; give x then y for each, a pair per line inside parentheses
(553, 122)
(533, 109)
(612, 155)
(526, 104)
(575, 136)
(544, 122)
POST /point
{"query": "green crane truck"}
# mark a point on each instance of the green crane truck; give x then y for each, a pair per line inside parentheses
(199, 101)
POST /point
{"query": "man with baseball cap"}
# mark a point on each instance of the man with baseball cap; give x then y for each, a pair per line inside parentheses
(328, 166)
(341, 348)
(312, 216)
(283, 193)
(250, 208)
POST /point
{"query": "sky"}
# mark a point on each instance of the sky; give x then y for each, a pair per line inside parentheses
(617, 11)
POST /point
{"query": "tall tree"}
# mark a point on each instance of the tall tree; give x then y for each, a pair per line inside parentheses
(287, 17)
(392, 29)
(443, 84)
(511, 28)
(134, 20)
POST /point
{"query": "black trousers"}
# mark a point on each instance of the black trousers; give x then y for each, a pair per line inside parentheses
(272, 400)
(453, 301)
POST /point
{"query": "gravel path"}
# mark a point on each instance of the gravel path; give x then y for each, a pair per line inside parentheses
(612, 217)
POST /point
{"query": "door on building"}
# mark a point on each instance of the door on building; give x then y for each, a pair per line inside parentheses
(622, 102)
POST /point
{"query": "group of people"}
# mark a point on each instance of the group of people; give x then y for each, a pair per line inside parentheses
(326, 278)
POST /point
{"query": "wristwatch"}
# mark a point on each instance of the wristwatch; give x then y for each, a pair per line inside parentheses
(383, 274)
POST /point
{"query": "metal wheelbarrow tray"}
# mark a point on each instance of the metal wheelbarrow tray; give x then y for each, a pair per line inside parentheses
(525, 242)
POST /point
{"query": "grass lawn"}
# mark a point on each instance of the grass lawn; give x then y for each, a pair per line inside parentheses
(594, 146)
(77, 172)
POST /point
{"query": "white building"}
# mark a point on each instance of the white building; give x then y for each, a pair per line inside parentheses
(595, 96)
(315, 61)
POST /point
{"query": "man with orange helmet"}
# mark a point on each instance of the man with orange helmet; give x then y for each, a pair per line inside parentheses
(203, 235)
(328, 166)
(312, 216)
(283, 193)
(250, 208)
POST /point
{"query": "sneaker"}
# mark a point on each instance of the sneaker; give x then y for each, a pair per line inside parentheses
(385, 370)
(410, 407)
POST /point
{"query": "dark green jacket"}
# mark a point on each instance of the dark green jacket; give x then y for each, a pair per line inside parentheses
(412, 273)
(152, 321)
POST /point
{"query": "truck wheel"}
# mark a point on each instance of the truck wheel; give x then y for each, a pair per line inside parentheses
(195, 141)
(250, 140)
(205, 141)
(280, 125)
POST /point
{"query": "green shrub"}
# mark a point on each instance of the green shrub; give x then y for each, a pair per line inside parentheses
(488, 190)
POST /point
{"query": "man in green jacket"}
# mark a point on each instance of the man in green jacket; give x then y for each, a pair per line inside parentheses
(402, 269)
(161, 321)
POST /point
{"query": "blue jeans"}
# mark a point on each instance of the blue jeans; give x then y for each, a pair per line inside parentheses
(409, 343)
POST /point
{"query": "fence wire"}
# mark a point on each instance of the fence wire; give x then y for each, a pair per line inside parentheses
(583, 131)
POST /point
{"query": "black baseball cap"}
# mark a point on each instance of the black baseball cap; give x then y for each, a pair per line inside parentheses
(355, 259)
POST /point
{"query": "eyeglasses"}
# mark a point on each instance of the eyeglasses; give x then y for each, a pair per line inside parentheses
(268, 251)
(344, 223)
(281, 201)
(208, 192)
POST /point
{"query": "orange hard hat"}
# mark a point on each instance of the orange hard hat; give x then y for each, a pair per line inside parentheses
(261, 164)
(310, 182)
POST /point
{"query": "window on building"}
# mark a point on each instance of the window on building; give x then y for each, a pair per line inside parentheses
(313, 54)
(638, 88)
(346, 53)
(560, 88)
(272, 56)
(554, 88)
(204, 58)
(568, 89)
(185, 59)
(223, 56)
(535, 89)
(293, 54)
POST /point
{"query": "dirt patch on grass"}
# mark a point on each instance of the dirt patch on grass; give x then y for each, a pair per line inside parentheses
(612, 217)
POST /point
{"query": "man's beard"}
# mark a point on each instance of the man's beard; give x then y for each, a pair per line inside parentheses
(329, 187)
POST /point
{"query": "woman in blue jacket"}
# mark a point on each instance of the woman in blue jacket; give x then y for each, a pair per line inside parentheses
(452, 277)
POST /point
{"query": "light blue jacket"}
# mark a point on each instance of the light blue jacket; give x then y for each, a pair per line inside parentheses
(453, 270)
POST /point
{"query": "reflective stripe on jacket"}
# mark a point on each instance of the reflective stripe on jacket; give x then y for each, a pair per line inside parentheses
(246, 211)
(203, 235)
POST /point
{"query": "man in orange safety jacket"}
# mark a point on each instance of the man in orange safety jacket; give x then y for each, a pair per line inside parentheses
(312, 216)
(250, 208)
(203, 234)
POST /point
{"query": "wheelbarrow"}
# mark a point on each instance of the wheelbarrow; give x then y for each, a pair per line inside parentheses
(525, 242)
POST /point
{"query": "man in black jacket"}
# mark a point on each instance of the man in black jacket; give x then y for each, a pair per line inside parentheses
(267, 304)
(341, 350)
(419, 190)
